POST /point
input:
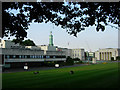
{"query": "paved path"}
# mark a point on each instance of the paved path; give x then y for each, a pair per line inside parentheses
(43, 68)
(38, 68)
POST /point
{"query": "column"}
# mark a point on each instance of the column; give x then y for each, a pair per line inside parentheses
(108, 56)
(105, 55)
(102, 55)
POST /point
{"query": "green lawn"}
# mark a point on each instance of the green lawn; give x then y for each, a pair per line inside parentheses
(92, 76)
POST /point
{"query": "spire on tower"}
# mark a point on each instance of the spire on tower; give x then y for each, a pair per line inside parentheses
(50, 32)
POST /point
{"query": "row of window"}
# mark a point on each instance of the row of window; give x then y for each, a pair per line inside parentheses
(32, 56)
(1, 45)
(76, 54)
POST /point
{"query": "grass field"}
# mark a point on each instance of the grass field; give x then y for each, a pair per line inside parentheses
(91, 76)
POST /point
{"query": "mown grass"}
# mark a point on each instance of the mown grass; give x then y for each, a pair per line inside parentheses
(92, 76)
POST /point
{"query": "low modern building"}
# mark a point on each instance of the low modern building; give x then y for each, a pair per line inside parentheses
(65, 50)
(15, 55)
(107, 53)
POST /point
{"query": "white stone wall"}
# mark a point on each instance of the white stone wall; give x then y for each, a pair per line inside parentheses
(47, 48)
(97, 56)
(78, 53)
(33, 47)
(2, 43)
(43, 47)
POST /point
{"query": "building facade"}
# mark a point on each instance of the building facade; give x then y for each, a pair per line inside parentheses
(78, 53)
(65, 50)
(15, 55)
(89, 55)
(107, 54)
(8, 44)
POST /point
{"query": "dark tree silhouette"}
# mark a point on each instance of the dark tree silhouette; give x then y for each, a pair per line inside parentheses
(25, 42)
(74, 17)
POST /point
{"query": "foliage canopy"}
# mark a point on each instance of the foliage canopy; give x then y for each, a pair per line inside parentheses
(72, 16)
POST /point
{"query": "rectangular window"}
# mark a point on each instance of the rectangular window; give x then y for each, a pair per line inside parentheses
(14, 56)
(19, 56)
(8, 56)
(33, 56)
(53, 56)
(39, 56)
(75, 55)
(22, 56)
(36, 56)
(25, 56)
(47, 56)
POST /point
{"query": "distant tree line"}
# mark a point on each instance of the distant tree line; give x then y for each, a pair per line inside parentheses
(25, 42)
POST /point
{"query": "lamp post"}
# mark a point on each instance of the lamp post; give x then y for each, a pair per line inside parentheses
(61, 55)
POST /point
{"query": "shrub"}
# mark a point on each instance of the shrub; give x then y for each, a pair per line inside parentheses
(112, 58)
(79, 62)
(118, 58)
(104, 63)
(69, 61)
(76, 59)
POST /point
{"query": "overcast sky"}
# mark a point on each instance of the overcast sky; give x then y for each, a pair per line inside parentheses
(88, 39)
